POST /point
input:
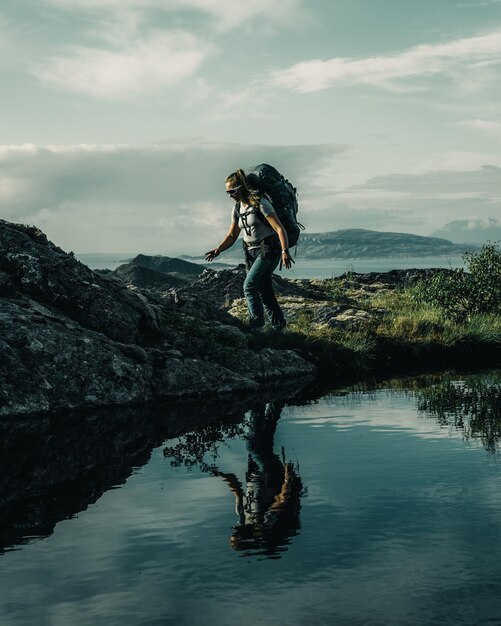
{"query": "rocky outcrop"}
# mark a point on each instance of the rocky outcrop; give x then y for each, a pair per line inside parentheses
(74, 338)
(393, 278)
(168, 265)
(222, 287)
(156, 273)
(145, 278)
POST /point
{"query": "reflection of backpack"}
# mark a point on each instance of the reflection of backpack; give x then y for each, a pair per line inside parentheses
(283, 196)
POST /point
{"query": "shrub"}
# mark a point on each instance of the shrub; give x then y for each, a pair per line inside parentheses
(459, 293)
(485, 279)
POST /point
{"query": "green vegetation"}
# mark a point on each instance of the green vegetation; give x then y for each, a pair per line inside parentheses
(351, 329)
(453, 318)
(460, 294)
(408, 317)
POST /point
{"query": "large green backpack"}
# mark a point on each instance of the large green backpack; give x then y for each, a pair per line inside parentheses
(267, 181)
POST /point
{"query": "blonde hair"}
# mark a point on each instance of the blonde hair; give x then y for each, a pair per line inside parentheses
(239, 178)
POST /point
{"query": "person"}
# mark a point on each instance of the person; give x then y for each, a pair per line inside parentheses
(265, 244)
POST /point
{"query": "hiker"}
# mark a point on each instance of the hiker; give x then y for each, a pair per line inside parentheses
(266, 245)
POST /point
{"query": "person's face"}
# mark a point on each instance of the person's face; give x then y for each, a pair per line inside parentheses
(234, 191)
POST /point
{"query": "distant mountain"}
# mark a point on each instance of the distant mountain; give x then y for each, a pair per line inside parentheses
(361, 243)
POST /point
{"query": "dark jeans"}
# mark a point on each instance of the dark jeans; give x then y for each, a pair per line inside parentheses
(258, 289)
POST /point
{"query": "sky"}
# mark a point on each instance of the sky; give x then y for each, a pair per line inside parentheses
(120, 119)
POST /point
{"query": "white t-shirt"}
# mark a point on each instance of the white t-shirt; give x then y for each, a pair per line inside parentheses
(254, 229)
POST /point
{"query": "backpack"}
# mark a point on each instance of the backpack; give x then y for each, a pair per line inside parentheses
(267, 181)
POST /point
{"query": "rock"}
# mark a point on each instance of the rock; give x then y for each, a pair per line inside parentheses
(394, 278)
(324, 314)
(38, 269)
(223, 287)
(350, 319)
(272, 364)
(145, 278)
(217, 287)
(72, 338)
(168, 265)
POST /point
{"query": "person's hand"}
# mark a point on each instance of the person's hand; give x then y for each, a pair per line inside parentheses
(211, 255)
(286, 260)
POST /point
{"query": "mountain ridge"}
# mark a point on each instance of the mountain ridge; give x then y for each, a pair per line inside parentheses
(365, 243)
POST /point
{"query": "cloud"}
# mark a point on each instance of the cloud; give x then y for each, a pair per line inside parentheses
(161, 60)
(477, 4)
(389, 72)
(488, 125)
(471, 230)
(150, 198)
(485, 181)
(139, 47)
(418, 203)
(169, 198)
(225, 14)
(338, 216)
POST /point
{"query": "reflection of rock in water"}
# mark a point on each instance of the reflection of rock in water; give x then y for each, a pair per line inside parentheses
(471, 404)
(52, 468)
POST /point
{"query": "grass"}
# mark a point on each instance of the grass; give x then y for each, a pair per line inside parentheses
(407, 318)
(401, 329)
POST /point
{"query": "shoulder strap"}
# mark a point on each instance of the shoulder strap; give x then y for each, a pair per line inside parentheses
(243, 217)
(252, 209)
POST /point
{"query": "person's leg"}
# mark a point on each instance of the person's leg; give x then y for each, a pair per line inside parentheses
(269, 299)
(251, 292)
(258, 290)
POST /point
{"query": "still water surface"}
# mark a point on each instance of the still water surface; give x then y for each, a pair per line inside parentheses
(368, 506)
(303, 268)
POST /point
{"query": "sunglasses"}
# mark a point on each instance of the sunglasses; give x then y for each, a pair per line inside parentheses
(232, 192)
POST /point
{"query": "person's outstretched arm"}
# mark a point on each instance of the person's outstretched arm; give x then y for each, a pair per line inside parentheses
(227, 242)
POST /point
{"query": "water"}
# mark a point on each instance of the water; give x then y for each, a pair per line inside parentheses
(304, 268)
(368, 506)
(329, 268)
(110, 260)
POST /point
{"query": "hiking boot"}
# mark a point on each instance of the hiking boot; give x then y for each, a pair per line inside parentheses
(257, 330)
(280, 328)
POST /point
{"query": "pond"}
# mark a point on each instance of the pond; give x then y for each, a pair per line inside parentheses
(376, 504)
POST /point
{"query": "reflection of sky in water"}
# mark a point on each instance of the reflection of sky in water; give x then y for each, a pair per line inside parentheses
(396, 413)
(401, 524)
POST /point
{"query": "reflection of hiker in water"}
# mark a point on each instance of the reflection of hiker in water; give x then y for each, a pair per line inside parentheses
(268, 508)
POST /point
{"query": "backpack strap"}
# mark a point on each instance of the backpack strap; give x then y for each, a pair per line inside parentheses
(243, 217)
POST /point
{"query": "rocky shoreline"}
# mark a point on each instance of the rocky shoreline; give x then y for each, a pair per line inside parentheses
(76, 339)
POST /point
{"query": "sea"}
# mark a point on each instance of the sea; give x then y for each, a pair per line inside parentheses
(302, 268)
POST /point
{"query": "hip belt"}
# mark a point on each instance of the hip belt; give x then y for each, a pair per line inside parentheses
(268, 246)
